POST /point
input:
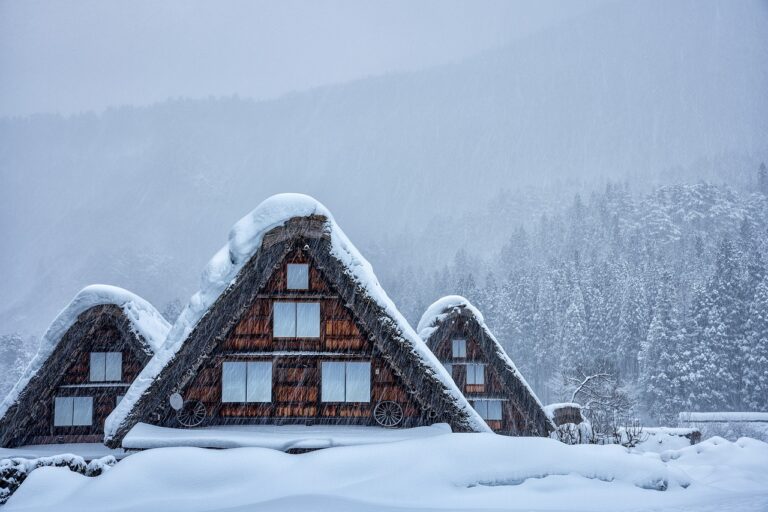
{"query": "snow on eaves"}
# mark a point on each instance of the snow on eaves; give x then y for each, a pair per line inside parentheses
(220, 273)
(145, 320)
(441, 308)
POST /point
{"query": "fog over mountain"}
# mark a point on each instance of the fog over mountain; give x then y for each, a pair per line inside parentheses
(141, 197)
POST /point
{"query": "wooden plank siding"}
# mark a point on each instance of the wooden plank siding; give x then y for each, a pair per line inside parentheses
(296, 362)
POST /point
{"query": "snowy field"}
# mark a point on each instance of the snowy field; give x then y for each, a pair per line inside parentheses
(448, 472)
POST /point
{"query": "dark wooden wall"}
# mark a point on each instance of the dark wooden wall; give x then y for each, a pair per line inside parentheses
(100, 335)
(296, 380)
(512, 421)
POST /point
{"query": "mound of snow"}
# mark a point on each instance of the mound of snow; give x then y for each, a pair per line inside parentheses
(277, 437)
(449, 472)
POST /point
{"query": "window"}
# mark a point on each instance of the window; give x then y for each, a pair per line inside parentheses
(346, 382)
(246, 381)
(69, 411)
(449, 368)
(298, 276)
(459, 348)
(475, 373)
(296, 320)
(488, 409)
(106, 366)
(119, 399)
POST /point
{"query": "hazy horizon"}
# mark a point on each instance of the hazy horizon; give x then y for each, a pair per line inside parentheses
(257, 50)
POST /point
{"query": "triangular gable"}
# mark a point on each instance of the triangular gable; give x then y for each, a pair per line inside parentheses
(231, 282)
(140, 324)
(438, 324)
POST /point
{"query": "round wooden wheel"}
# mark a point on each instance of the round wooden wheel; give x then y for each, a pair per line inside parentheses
(388, 414)
(191, 414)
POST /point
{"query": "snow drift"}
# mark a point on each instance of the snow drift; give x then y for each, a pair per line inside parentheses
(448, 472)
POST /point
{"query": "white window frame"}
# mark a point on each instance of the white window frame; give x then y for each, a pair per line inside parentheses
(295, 329)
(363, 368)
(65, 409)
(459, 348)
(102, 367)
(475, 374)
(297, 276)
(254, 373)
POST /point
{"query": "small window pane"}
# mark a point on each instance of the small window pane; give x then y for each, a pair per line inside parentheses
(332, 382)
(62, 411)
(459, 348)
(481, 406)
(233, 382)
(284, 320)
(82, 410)
(298, 276)
(494, 409)
(119, 399)
(449, 368)
(98, 365)
(358, 382)
(308, 320)
(114, 366)
(475, 374)
(259, 387)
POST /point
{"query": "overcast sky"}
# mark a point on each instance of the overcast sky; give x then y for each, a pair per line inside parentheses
(87, 55)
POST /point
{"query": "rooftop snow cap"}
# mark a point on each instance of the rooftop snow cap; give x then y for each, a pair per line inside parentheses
(222, 274)
(146, 322)
(440, 309)
(432, 327)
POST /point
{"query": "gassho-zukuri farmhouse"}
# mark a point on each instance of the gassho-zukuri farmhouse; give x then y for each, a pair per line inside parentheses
(290, 343)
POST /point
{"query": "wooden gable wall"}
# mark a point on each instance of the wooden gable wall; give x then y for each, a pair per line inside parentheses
(513, 420)
(95, 331)
(296, 362)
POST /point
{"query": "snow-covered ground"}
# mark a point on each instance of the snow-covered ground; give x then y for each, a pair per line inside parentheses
(282, 437)
(86, 450)
(448, 472)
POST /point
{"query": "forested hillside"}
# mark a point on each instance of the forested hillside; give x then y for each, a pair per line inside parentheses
(667, 289)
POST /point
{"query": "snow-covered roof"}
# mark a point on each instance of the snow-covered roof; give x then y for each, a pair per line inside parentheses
(144, 319)
(442, 308)
(551, 408)
(722, 417)
(221, 272)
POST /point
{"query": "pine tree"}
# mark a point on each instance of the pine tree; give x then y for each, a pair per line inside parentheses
(762, 179)
(660, 382)
(755, 376)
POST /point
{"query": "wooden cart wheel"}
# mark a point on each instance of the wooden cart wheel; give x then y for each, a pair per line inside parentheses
(388, 414)
(191, 414)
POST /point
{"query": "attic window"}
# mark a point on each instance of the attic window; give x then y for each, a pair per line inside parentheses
(106, 366)
(488, 409)
(298, 276)
(459, 348)
(296, 320)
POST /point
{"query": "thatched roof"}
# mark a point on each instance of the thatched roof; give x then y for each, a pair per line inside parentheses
(257, 245)
(441, 321)
(137, 320)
